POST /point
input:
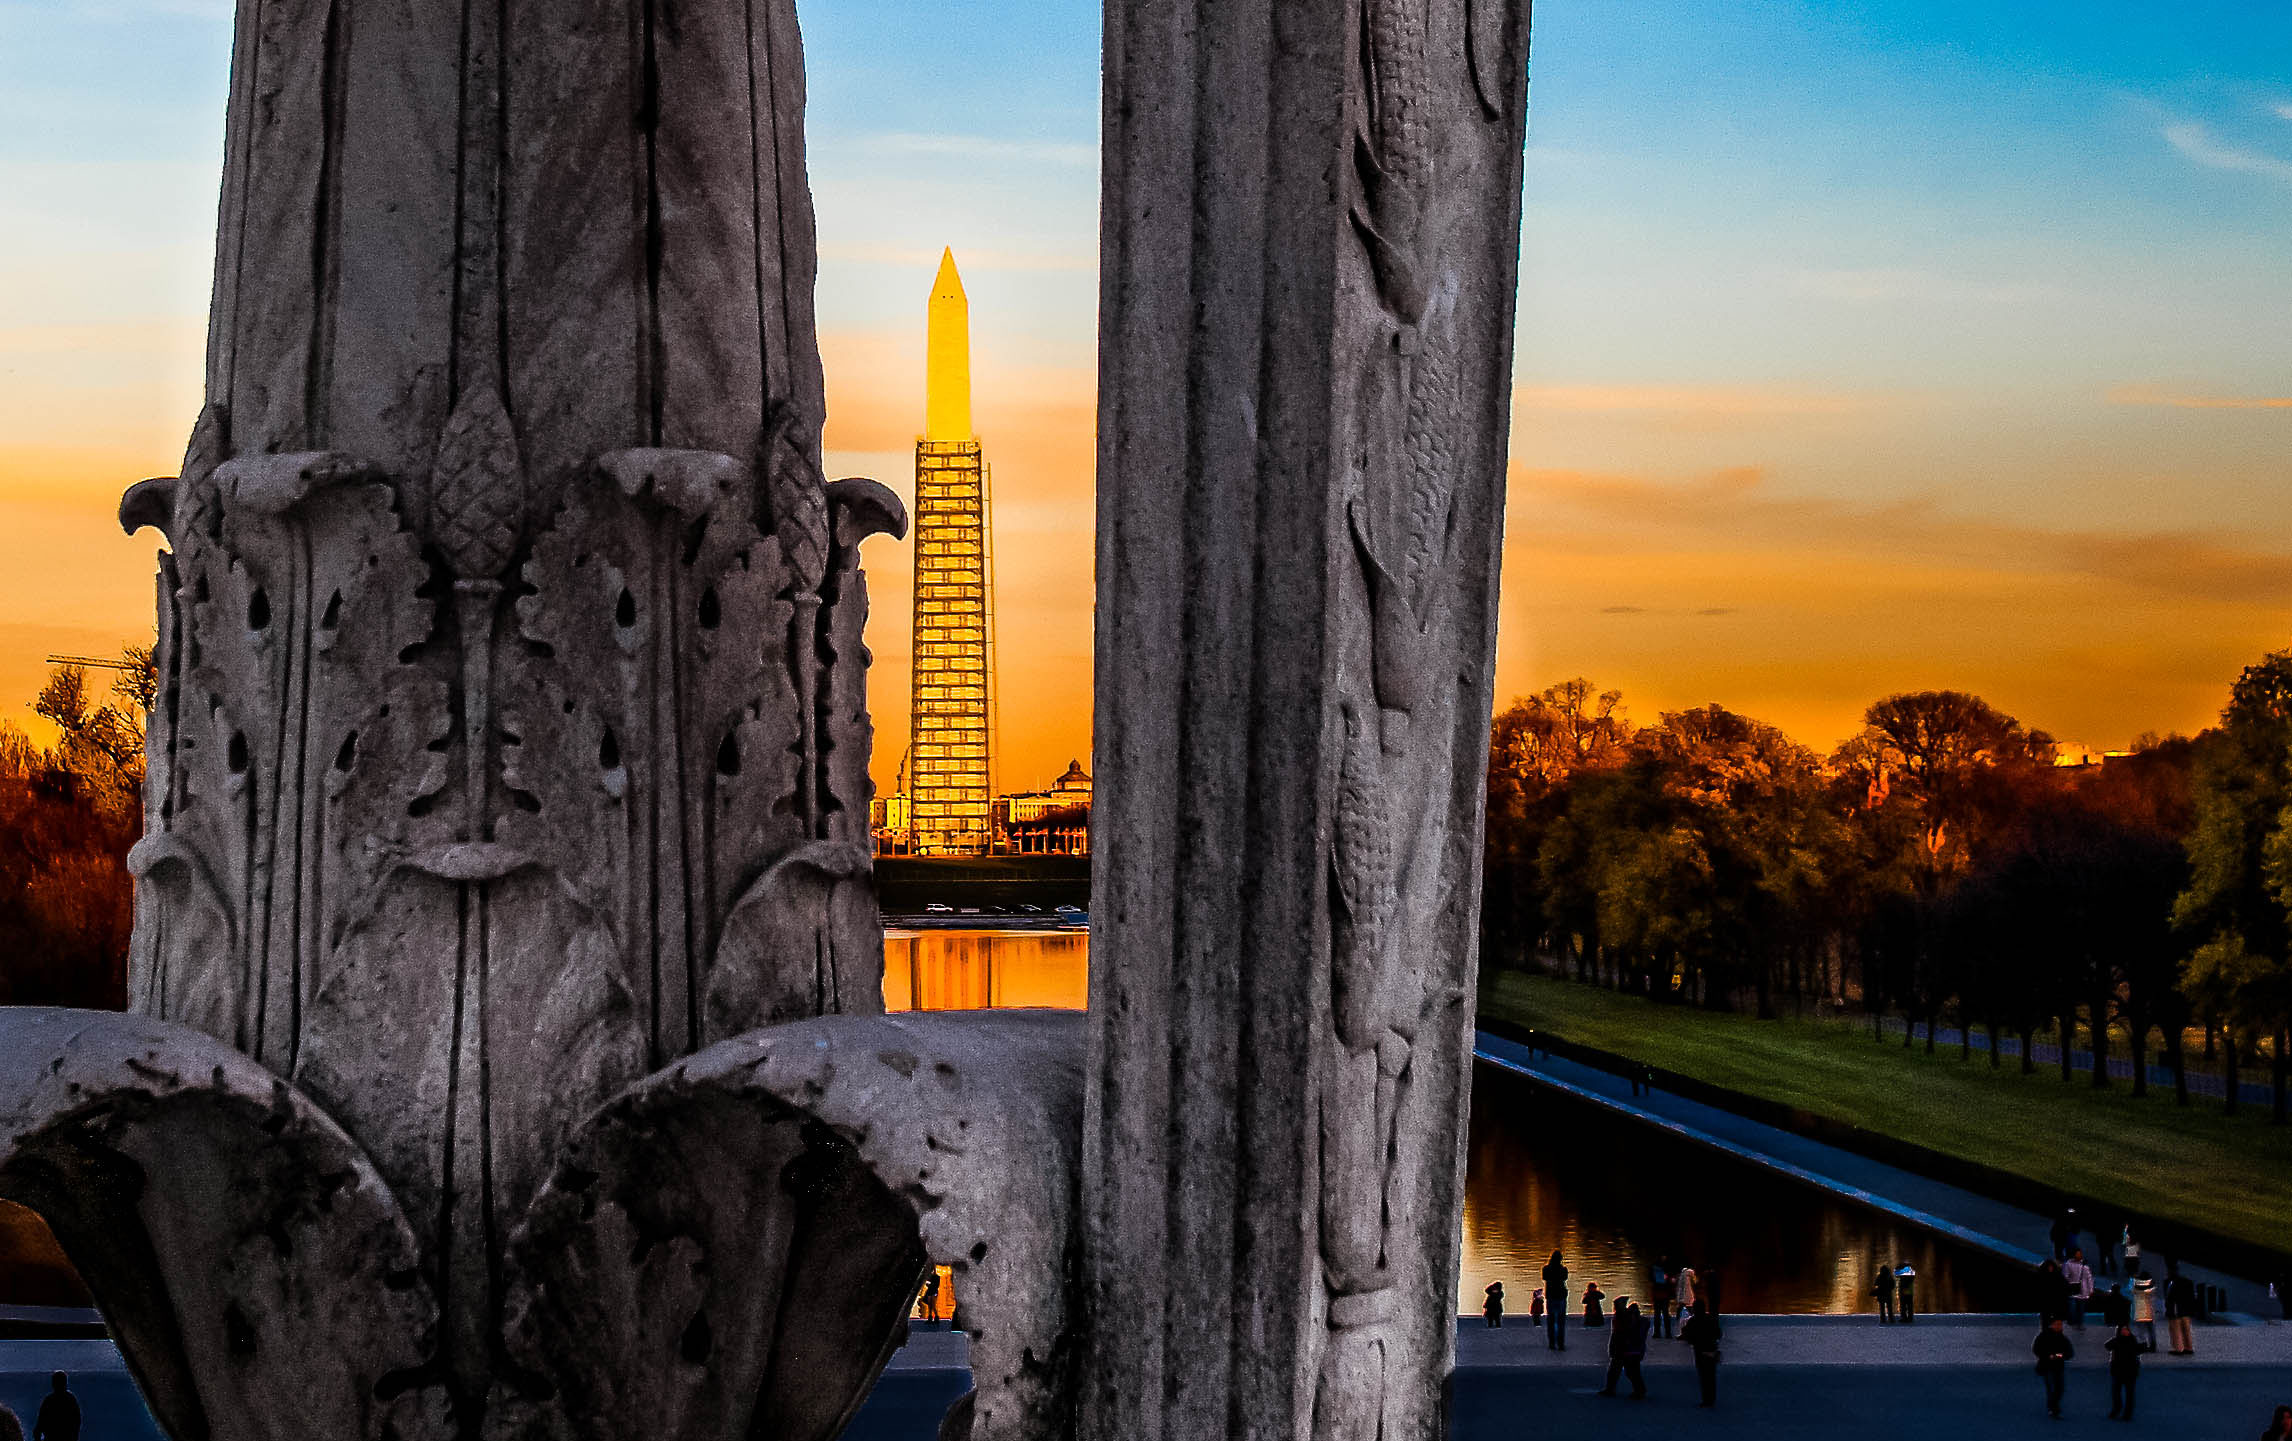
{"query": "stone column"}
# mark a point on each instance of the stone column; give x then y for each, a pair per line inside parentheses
(1311, 224)
(512, 737)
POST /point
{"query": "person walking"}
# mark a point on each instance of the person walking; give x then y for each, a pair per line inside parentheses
(2077, 1285)
(59, 1418)
(1556, 1295)
(1594, 1316)
(2124, 1350)
(1492, 1307)
(1701, 1332)
(2180, 1306)
(1627, 1347)
(1906, 1292)
(2053, 1351)
(2145, 1308)
(1663, 1289)
(1882, 1286)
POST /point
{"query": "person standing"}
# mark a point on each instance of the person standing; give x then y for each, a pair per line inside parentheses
(1594, 1315)
(2053, 1351)
(1627, 1347)
(1664, 1288)
(1492, 1308)
(1556, 1296)
(1690, 1292)
(1906, 1291)
(2130, 1244)
(2279, 1426)
(2145, 1308)
(11, 1429)
(1882, 1286)
(1536, 1308)
(2052, 1291)
(1701, 1332)
(2124, 1350)
(2077, 1287)
(59, 1418)
(2180, 1306)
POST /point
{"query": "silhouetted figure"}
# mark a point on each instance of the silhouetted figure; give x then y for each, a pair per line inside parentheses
(1492, 1306)
(59, 1418)
(1906, 1291)
(1595, 1315)
(2124, 1350)
(2052, 1350)
(11, 1429)
(2052, 1291)
(2180, 1306)
(931, 1295)
(1626, 1349)
(2279, 1426)
(1882, 1286)
(1556, 1295)
(1701, 1332)
(1536, 1308)
(1664, 1287)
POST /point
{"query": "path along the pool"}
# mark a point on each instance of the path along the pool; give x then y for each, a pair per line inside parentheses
(1963, 1216)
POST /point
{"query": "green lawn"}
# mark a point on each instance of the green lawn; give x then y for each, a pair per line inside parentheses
(2231, 1174)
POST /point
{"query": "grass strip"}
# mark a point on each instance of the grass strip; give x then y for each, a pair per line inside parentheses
(2229, 1174)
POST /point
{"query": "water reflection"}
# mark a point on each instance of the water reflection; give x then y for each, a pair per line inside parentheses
(975, 970)
(1546, 1173)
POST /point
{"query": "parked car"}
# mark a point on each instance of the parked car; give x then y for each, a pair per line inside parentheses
(938, 908)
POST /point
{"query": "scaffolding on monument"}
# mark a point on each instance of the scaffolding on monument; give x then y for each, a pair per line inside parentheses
(950, 774)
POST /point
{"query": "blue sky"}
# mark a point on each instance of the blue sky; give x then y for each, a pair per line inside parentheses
(1862, 346)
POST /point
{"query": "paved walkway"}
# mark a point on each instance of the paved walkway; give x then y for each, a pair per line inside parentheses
(1963, 1216)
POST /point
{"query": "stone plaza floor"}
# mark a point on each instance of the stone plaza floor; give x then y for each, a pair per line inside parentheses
(1785, 1377)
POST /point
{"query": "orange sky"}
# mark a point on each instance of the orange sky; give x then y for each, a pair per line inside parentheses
(1850, 360)
(1729, 581)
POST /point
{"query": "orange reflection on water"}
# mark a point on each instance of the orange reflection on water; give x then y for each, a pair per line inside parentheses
(980, 970)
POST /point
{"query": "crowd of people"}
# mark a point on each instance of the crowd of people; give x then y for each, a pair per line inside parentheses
(1678, 1307)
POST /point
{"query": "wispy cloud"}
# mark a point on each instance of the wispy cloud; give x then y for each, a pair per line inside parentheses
(1732, 511)
(1706, 400)
(2282, 110)
(2186, 400)
(2196, 142)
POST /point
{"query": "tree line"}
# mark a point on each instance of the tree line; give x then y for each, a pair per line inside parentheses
(1938, 867)
(69, 811)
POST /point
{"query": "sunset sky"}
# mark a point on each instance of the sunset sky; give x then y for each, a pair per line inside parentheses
(1863, 346)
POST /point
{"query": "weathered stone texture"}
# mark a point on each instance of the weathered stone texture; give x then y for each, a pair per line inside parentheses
(1311, 220)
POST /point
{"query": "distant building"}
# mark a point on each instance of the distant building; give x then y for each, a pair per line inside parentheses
(1054, 822)
(891, 819)
(952, 697)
